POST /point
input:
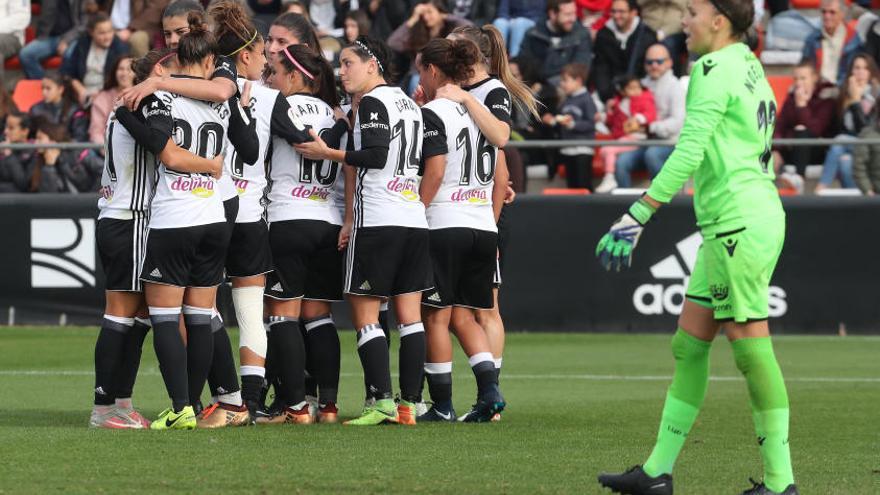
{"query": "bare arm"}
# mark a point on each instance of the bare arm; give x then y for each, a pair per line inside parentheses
(499, 188)
(217, 90)
(435, 168)
(496, 130)
(182, 160)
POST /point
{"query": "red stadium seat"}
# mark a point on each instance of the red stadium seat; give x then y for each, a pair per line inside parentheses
(35, 9)
(561, 191)
(780, 85)
(805, 4)
(788, 191)
(27, 93)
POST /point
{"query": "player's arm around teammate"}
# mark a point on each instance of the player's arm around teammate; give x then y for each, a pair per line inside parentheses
(725, 145)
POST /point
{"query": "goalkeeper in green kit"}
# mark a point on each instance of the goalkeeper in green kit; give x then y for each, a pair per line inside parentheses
(725, 145)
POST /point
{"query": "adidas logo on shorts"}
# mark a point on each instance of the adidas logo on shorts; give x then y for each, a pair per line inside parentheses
(156, 273)
(434, 297)
(277, 287)
(365, 285)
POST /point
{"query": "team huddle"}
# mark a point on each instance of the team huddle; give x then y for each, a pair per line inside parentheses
(228, 162)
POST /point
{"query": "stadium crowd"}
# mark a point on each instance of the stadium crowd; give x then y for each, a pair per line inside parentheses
(614, 69)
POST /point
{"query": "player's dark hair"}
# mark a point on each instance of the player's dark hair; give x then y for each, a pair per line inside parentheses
(367, 47)
(197, 44)
(576, 70)
(740, 13)
(110, 80)
(361, 19)
(455, 59)
(491, 44)
(95, 19)
(553, 5)
(323, 82)
(182, 8)
(233, 28)
(301, 28)
(143, 66)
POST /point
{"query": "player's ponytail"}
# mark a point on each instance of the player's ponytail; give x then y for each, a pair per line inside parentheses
(740, 14)
(455, 59)
(197, 44)
(233, 28)
(316, 72)
(491, 44)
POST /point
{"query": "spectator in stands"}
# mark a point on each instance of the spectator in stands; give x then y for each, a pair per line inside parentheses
(119, 78)
(429, 19)
(385, 16)
(628, 116)
(356, 24)
(832, 46)
(322, 14)
(576, 120)
(857, 100)
(15, 15)
(515, 18)
(620, 47)
(56, 170)
(866, 162)
(872, 42)
(480, 12)
(91, 56)
(7, 106)
(14, 164)
(558, 41)
(137, 22)
(664, 17)
(524, 125)
(808, 112)
(594, 14)
(264, 12)
(59, 24)
(59, 106)
(669, 97)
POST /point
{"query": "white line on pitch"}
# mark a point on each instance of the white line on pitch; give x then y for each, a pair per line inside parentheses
(507, 376)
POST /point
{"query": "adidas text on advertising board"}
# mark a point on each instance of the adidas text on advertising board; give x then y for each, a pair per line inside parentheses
(672, 273)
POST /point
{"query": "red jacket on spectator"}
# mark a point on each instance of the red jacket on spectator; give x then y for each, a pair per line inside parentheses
(818, 116)
(594, 7)
(641, 107)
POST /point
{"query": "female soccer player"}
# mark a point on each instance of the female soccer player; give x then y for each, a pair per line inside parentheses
(457, 190)
(387, 253)
(725, 146)
(132, 144)
(187, 237)
(305, 222)
(249, 258)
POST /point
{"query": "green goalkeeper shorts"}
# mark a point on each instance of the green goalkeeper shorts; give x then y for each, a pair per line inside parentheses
(732, 273)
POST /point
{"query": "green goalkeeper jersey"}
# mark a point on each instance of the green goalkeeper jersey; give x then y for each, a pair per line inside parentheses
(725, 143)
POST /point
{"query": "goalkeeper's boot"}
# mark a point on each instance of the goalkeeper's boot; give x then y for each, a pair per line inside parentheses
(291, 415)
(328, 413)
(132, 415)
(439, 413)
(406, 412)
(108, 417)
(220, 415)
(170, 420)
(636, 482)
(761, 489)
(487, 406)
(383, 411)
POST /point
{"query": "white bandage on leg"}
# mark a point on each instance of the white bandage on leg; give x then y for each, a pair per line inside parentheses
(248, 303)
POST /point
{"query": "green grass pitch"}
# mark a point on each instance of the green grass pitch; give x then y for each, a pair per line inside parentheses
(578, 404)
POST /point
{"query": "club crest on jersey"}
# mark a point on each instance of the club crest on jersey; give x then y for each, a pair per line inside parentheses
(202, 187)
(313, 193)
(240, 186)
(475, 196)
(408, 188)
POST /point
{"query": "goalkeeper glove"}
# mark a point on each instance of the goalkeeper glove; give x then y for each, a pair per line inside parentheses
(615, 248)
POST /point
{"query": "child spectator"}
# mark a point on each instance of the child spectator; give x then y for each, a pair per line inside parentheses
(91, 56)
(576, 120)
(866, 161)
(119, 78)
(14, 165)
(628, 116)
(56, 170)
(59, 106)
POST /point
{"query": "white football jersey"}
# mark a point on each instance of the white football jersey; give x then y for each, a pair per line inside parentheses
(492, 93)
(303, 189)
(389, 196)
(186, 199)
(129, 171)
(465, 195)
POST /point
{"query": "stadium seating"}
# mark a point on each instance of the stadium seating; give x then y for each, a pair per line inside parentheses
(780, 85)
(27, 93)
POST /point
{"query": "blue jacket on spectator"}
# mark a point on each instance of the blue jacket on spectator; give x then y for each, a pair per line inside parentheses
(551, 51)
(530, 9)
(74, 63)
(813, 51)
(581, 107)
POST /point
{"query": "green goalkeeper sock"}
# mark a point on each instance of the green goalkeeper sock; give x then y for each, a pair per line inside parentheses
(755, 359)
(683, 401)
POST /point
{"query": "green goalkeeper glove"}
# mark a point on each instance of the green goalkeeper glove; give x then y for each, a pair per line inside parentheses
(615, 248)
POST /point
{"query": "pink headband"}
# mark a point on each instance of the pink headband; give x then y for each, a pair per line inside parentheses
(166, 57)
(298, 66)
